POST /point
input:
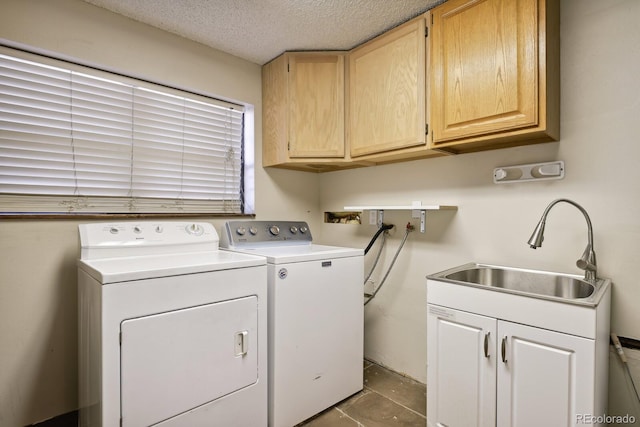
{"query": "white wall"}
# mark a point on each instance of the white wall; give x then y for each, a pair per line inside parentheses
(600, 61)
(600, 110)
(38, 320)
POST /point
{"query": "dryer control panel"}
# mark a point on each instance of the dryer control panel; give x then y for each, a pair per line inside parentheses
(265, 233)
(99, 240)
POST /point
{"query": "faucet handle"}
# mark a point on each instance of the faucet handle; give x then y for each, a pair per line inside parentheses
(588, 259)
(587, 262)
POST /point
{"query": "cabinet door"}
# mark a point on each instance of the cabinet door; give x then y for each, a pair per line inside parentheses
(387, 91)
(545, 378)
(316, 105)
(461, 361)
(484, 67)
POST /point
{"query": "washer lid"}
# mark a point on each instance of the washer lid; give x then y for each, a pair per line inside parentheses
(124, 269)
(301, 253)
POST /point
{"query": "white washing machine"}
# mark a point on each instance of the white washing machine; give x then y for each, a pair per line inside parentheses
(172, 331)
(315, 316)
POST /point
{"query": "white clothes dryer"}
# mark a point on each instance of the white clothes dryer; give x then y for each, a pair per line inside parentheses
(172, 331)
(316, 324)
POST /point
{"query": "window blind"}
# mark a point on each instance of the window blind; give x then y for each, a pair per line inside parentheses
(74, 141)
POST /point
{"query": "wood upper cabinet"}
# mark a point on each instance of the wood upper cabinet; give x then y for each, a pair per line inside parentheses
(494, 73)
(303, 110)
(387, 93)
(469, 75)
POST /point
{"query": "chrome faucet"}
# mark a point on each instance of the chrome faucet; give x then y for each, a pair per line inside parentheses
(587, 261)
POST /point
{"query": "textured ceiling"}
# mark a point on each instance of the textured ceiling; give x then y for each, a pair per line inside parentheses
(260, 30)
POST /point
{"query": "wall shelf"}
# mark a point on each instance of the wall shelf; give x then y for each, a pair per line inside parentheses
(417, 208)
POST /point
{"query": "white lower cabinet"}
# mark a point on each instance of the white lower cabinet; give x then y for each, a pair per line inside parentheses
(488, 372)
(504, 365)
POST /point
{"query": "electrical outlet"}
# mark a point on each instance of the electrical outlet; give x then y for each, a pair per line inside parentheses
(373, 217)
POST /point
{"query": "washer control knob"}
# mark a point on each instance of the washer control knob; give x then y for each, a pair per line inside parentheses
(303, 229)
(293, 229)
(137, 229)
(274, 230)
(253, 231)
(195, 229)
(241, 231)
(159, 229)
(114, 230)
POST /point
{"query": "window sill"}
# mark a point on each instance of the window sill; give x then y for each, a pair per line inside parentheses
(117, 216)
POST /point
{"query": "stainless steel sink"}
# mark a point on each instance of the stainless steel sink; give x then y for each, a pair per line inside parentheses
(540, 284)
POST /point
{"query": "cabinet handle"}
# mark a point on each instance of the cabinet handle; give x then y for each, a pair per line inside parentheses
(486, 344)
(504, 349)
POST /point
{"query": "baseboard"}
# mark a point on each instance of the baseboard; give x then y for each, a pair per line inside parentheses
(69, 419)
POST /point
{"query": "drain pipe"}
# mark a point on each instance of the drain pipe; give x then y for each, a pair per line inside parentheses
(383, 227)
(382, 230)
(375, 262)
(623, 359)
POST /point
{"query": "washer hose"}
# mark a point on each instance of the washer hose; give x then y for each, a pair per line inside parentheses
(375, 262)
(409, 229)
(383, 227)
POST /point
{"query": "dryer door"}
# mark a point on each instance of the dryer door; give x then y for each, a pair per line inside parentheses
(175, 361)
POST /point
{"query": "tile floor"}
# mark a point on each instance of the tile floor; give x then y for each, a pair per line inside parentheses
(388, 399)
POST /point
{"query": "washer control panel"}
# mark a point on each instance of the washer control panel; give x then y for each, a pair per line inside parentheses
(261, 233)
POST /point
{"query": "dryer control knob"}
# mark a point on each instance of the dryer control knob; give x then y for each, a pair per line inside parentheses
(293, 229)
(241, 231)
(274, 230)
(137, 229)
(253, 231)
(194, 229)
(303, 229)
(114, 230)
(159, 229)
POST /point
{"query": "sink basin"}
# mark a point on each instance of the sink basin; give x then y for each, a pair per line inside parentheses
(534, 283)
(525, 281)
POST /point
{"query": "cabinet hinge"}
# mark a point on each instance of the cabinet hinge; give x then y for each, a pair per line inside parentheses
(120, 338)
(426, 31)
(426, 129)
(288, 146)
(288, 67)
